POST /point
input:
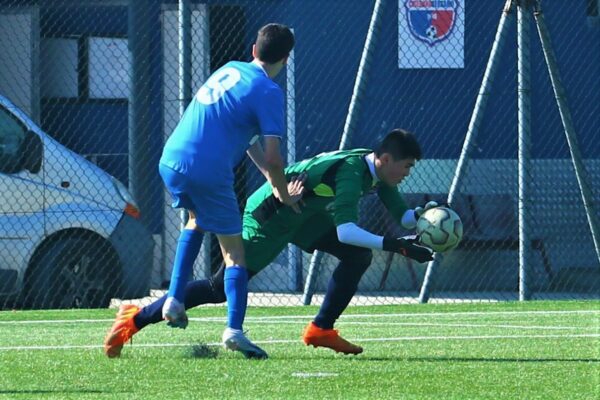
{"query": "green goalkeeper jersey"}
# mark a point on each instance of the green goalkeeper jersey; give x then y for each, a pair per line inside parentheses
(335, 183)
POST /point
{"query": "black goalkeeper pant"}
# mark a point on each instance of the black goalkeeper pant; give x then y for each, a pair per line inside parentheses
(353, 262)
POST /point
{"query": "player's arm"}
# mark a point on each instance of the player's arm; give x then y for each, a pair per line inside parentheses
(348, 188)
(395, 204)
(352, 234)
(347, 196)
(270, 112)
(270, 163)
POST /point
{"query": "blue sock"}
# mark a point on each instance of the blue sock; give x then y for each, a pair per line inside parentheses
(236, 291)
(188, 248)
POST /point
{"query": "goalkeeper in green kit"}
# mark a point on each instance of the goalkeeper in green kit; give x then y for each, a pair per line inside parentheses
(332, 185)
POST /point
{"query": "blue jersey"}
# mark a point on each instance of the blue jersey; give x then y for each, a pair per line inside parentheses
(238, 102)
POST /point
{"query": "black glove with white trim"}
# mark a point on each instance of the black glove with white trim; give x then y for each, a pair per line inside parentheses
(408, 247)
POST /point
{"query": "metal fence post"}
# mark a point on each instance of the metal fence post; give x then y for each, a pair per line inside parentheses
(473, 130)
(351, 119)
(565, 116)
(524, 161)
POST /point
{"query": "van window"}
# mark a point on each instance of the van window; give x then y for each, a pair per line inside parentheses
(12, 135)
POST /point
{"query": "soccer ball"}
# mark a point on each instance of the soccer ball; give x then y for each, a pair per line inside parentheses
(431, 33)
(440, 229)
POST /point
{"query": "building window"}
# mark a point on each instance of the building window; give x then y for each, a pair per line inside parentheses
(59, 67)
(84, 68)
(109, 63)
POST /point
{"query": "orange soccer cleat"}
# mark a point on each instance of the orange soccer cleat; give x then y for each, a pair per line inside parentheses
(122, 330)
(319, 337)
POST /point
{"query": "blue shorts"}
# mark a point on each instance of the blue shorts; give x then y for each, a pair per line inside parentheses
(215, 206)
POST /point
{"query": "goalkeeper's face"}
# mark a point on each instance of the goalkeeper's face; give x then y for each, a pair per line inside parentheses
(391, 171)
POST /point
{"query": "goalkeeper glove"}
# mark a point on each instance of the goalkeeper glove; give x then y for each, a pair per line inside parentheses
(408, 247)
(420, 210)
(411, 216)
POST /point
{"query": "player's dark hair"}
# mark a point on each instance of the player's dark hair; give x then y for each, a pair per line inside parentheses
(400, 144)
(274, 42)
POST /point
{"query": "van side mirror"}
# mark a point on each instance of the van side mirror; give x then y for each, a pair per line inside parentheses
(32, 152)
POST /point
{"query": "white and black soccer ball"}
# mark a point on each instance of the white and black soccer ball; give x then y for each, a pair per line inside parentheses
(440, 229)
(431, 33)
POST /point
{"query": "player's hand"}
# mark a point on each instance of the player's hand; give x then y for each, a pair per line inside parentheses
(296, 190)
(408, 247)
(296, 186)
(420, 210)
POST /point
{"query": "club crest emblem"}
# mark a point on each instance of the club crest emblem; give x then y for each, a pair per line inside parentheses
(431, 21)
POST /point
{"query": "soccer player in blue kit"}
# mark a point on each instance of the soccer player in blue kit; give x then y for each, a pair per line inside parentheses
(237, 106)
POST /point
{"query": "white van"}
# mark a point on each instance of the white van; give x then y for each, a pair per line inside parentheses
(70, 234)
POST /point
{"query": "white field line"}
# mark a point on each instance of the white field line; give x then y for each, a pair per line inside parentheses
(343, 317)
(296, 341)
(444, 325)
(268, 321)
(314, 374)
(418, 324)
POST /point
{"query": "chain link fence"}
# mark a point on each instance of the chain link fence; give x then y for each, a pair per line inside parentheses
(90, 90)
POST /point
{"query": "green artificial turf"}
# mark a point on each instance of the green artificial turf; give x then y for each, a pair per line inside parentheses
(531, 350)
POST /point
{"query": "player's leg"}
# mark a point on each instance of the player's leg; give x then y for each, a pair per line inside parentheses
(203, 291)
(236, 292)
(262, 243)
(342, 286)
(263, 239)
(188, 246)
(236, 279)
(131, 319)
(343, 283)
(260, 248)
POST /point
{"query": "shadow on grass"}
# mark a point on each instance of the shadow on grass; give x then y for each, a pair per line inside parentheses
(202, 350)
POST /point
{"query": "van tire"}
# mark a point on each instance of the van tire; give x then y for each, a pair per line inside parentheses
(73, 272)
